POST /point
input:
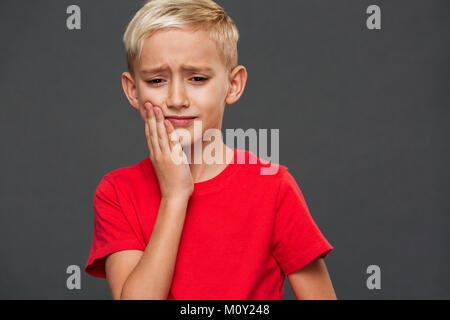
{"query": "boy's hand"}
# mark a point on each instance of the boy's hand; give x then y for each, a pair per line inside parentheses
(167, 156)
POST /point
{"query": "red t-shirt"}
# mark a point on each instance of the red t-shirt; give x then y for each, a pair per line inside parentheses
(243, 233)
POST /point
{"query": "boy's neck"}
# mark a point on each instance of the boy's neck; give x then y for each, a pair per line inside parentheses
(203, 171)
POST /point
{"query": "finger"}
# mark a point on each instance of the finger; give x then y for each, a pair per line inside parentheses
(153, 130)
(175, 142)
(178, 155)
(172, 135)
(177, 152)
(162, 133)
(143, 112)
(147, 136)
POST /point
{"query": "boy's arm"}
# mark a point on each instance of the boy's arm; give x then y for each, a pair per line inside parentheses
(133, 274)
(312, 282)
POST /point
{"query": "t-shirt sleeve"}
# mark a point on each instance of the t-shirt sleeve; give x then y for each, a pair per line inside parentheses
(112, 230)
(296, 239)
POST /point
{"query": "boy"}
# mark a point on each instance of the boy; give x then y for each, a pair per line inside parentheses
(167, 229)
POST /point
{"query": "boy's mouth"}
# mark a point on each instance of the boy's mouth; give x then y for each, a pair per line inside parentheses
(180, 120)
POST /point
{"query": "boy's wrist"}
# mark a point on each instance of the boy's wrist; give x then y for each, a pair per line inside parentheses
(176, 200)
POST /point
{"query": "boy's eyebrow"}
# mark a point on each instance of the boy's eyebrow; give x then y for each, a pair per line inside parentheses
(184, 67)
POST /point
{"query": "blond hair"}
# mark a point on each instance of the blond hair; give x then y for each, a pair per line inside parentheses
(184, 14)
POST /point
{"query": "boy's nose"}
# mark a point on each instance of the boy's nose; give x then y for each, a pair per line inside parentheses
(177, 95)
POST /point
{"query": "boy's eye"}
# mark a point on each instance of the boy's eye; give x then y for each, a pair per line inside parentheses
(158, 81)
(200, 79)
(153, 81)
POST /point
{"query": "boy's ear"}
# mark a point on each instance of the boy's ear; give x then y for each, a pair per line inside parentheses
(130, 89)
(238, 79)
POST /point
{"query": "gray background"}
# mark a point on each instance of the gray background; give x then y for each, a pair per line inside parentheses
(363, 118)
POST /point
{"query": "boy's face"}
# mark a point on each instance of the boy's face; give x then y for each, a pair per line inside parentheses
(191, 79)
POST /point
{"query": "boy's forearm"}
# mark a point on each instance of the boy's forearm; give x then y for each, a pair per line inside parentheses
(152, 277)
